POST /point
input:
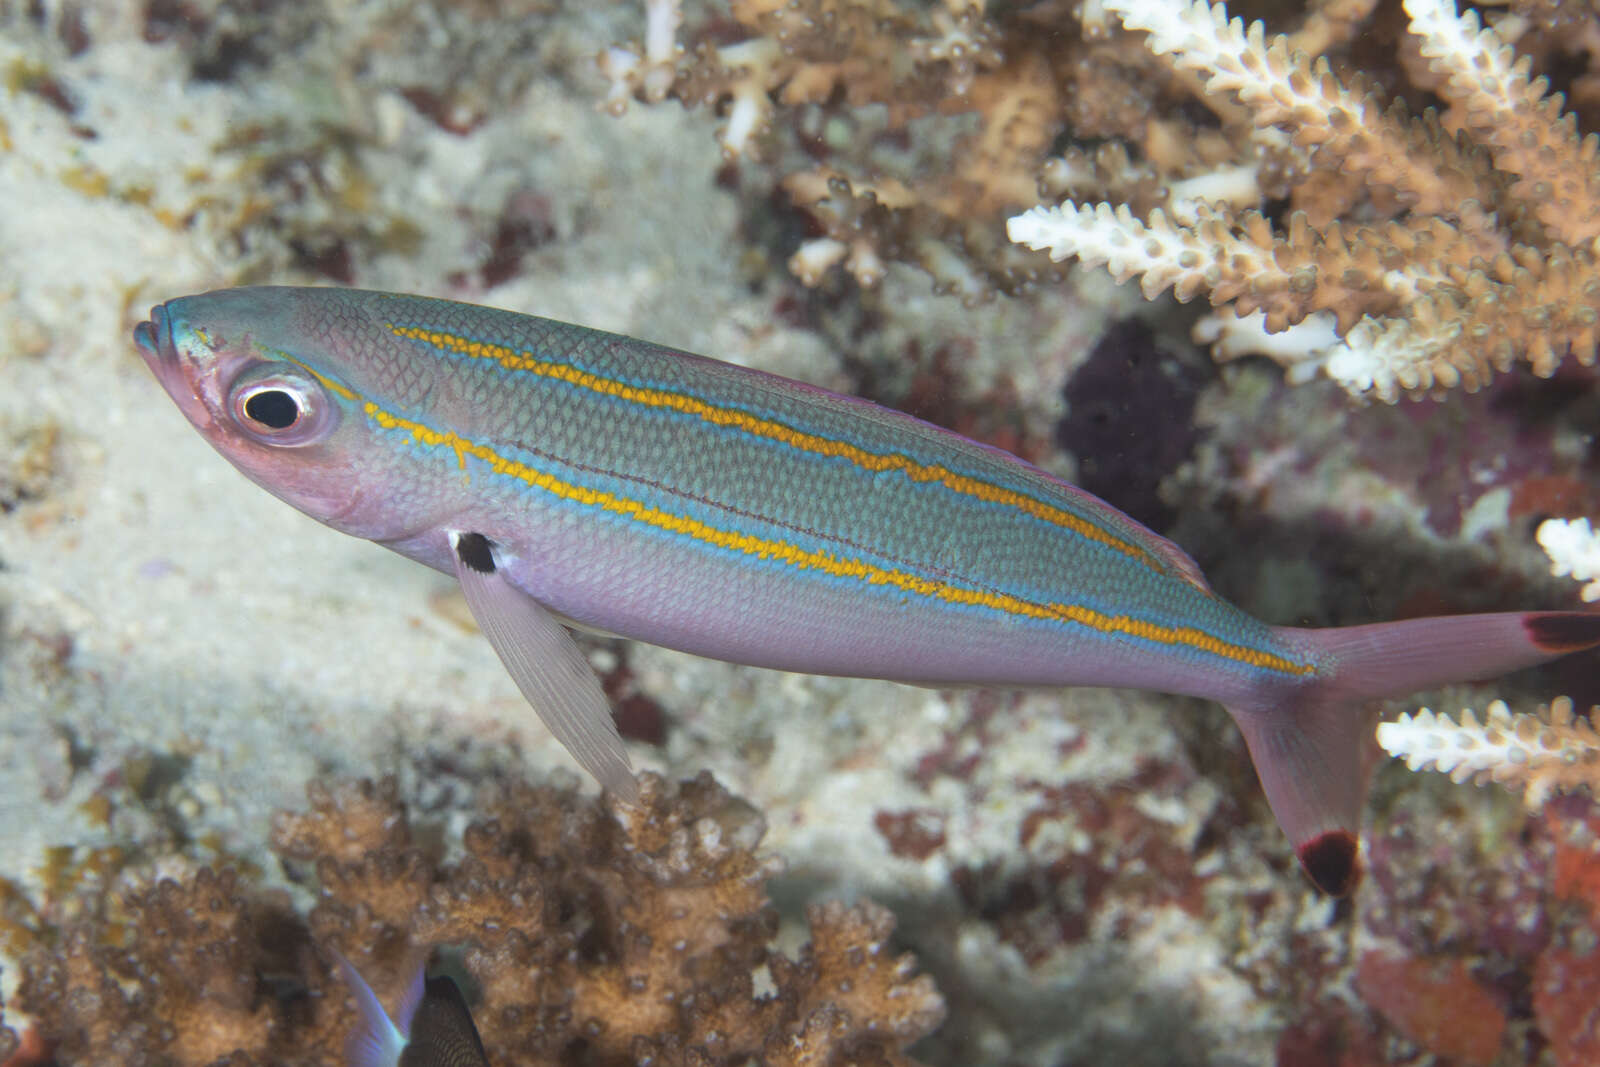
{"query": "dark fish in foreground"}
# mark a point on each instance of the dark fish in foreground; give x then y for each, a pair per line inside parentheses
(571, 477)
(431, 1026)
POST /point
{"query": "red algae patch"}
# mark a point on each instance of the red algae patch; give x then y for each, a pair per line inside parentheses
(915, 833)
(1566, 1000)
(1338, 1038)
(1437, 1004)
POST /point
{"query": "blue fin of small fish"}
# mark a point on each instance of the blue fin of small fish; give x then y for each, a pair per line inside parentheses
(431, 1026)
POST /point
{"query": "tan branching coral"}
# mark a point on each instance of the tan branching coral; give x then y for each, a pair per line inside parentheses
(1417, 254)
(638, 934)
(170, 975)
(803, 51)
(1549, 751)
(979, 98)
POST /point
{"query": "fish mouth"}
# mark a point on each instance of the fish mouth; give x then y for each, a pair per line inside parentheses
(157, 346)
(154, 338)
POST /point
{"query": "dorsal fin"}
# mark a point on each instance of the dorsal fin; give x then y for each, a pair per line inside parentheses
(1178, 560)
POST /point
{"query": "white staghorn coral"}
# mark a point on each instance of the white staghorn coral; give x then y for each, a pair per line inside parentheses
(1283, 89)
(650, 74)
(1463, 261)
(1160, 253)
(1574, 549)
(1551, 750)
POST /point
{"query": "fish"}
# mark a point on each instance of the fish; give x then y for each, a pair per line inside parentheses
(573, 478)
(431, 1027)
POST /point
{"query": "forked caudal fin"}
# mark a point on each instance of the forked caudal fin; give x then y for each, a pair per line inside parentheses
(1308, 742)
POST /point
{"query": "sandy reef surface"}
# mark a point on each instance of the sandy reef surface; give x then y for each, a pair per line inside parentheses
(180, 653)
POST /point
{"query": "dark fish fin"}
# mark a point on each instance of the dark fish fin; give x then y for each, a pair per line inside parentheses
(1560, 632)
(442, 1033)
(547, 665)
(1309, 742)
(376, 1041)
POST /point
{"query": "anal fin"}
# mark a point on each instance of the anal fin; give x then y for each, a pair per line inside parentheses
(545, 662)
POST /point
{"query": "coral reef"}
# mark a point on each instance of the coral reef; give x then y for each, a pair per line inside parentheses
(611, 934)
(1486, 957)
(1480, 962)
(1396, 252)
(1443, 262)
(905, 132)
(1086, 873)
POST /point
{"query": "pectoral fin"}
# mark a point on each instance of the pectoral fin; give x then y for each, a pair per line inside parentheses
(546, 664)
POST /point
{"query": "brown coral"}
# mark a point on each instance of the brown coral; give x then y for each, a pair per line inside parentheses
(1344, 229)
(632, 934)
(837, 91)
(906, 132)
(1421, 252)
(174, 977)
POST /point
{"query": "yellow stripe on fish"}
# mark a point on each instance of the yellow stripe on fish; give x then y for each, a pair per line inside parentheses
(717, 415)
(826, 563)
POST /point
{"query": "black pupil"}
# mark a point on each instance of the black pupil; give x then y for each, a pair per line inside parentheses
(272, 408)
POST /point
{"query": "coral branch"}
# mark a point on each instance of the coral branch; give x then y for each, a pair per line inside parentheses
(1488, 257)
(634, 933)
(1550, 750)
(1574, 549)
(1442, 252)
(649, 72)
(1282, 88)
(1525, 129)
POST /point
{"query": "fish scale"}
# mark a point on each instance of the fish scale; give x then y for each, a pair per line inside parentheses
(736, 479)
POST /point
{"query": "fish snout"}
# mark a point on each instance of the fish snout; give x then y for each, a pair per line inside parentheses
(154, 336)
(182, 381)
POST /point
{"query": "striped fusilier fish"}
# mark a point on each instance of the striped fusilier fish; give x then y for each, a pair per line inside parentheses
(569, 477)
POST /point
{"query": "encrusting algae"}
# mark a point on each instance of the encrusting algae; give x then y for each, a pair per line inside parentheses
(588, 932)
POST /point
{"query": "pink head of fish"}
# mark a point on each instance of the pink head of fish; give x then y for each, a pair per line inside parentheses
(252, 375)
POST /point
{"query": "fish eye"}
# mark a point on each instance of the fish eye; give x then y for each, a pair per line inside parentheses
(281, 405)
(276, 409)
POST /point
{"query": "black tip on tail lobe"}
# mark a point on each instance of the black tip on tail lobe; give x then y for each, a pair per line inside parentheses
(1332, 862)
(1560, 632)
(1308, 741)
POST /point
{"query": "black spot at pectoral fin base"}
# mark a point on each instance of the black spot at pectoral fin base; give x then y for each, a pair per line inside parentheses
(475, 552)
